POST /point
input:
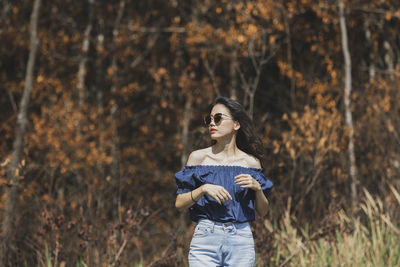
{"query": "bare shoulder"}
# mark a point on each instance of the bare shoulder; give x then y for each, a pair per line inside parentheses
(197, 157)
(252, 161)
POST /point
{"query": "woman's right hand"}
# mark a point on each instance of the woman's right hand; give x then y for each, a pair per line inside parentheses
(217, 192)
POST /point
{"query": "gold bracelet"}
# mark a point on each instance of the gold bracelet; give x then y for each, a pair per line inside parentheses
(191, 195)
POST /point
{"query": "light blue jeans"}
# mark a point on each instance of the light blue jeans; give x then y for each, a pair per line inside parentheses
(221, 244)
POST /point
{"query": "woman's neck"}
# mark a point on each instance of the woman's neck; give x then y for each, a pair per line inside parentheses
(226, 148)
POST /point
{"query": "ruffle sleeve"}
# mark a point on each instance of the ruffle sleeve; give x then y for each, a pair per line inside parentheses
(189, 178)
(266, 184)
(184, 180)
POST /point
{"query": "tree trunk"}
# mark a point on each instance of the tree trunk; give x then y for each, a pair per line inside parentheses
(389, 59)
(290, 60)
(82, 63)
(115, 172)
(185, 130)
(347, 103)
(250, 86)
(82, 99)
(232, 73)
(370, 43)
(8, 221)
(211, 72)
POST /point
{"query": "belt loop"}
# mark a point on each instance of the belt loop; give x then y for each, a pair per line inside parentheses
(234, 227)
(213, 226)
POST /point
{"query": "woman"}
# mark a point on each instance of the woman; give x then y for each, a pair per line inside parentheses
(223, 185)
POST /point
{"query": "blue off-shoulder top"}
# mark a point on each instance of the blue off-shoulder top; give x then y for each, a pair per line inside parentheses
(239, 209)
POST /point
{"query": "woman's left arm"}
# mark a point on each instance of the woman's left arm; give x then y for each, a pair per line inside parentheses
(261, 202)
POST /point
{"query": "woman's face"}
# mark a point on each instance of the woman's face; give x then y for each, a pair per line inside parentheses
(226, 126)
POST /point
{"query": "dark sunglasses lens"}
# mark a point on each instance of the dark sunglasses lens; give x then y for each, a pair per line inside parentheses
(217, 118)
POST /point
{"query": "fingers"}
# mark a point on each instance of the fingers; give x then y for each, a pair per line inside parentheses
(246, 181)
(243, 179)
(218, 199)
(226, 194)
(220, 194)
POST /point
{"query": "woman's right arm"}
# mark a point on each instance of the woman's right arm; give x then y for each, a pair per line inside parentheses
(219, 193)
(186, 200)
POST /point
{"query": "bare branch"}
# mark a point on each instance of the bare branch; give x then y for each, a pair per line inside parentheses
(118, 255)
(347, 99)
(12, 199)
(159, 30)
(12, 100)
(150, 45)
(376, 10)
(82, 63)
(211, 72)
(245, 84)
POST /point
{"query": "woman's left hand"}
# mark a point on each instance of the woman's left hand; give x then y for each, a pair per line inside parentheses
(247, 181)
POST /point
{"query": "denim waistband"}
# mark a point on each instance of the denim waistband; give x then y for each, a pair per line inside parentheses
(237, 225)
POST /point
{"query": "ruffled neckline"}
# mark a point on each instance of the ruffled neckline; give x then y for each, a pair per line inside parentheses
(223, 167)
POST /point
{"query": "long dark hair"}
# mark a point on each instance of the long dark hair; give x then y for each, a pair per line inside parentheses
(246, 138)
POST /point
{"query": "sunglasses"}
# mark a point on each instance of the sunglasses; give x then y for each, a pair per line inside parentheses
(217, 118)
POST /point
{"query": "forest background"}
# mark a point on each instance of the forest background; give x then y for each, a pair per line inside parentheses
(102, 101)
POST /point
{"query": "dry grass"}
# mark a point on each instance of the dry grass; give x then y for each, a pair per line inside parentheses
(370, 239)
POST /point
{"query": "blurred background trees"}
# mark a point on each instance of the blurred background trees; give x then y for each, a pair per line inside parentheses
(119, 92)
